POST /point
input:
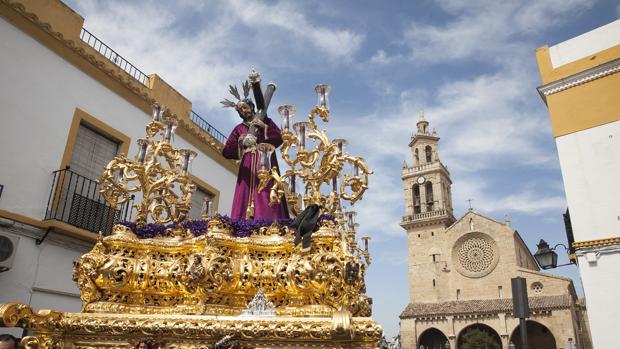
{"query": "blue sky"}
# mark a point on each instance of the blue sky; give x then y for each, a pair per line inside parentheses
(469, 64)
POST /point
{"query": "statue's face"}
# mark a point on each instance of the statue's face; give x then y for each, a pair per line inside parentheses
(143, 345)
(245, 110)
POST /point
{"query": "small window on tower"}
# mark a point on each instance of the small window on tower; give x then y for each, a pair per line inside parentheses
(433, 283)
(500, 292)
(416, 199)
(458, 294)
(429, 197)
(428, 151)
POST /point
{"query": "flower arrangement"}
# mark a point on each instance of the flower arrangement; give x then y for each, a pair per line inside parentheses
(240, 227)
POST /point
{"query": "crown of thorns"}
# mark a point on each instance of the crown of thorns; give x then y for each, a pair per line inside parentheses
(235, 92)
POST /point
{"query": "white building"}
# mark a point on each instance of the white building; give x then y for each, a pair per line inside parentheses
(69, 104)
(581, 88)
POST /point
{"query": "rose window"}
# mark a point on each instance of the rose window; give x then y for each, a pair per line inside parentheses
(475, 254)
(537, 287)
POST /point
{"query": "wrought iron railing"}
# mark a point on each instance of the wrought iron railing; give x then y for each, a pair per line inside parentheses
(113, 56)
(76, 200)
(205, 125)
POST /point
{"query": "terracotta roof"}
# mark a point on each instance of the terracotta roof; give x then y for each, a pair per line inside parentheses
(482, 306)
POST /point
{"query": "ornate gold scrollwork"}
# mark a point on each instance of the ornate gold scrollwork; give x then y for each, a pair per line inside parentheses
(159, 173)
(315, 173)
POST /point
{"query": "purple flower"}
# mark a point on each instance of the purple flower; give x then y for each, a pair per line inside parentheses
(239, 227)
(196, 227)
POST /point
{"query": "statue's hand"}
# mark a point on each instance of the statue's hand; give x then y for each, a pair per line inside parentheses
(249, 140)
(258, 123)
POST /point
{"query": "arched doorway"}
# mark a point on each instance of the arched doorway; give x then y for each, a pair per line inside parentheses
(478, 336)
(538, 336)
(432, 338)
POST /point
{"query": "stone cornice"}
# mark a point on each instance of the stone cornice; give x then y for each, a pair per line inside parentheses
(483, 306)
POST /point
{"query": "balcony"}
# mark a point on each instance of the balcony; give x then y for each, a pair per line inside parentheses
(423, 216)
(424, 167)
(207, 127)
(75, 200)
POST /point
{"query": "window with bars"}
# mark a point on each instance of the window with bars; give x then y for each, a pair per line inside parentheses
(77, 199)
(92, 152)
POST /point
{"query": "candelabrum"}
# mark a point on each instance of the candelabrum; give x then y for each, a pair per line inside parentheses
(322, 165)
(350, 238)
(159, 171)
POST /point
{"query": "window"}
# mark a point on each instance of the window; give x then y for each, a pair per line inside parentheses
(92, 152)
(432, 233)
(537, 287)
(416, 199)
(500, 292)
(198, 198)
(429, 197)
(458, 294)
(428, 151)
(434, 258)
(416, 156)
(433, 283)
(91, 145)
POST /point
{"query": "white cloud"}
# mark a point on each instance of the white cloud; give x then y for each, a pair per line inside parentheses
(202, 57)
(337, 43)
(486, 30)
(381, 57)
(523, 200)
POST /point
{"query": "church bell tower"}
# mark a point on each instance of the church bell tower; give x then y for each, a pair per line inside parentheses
(428, 212)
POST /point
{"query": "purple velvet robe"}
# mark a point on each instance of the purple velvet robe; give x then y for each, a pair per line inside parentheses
(232, 150)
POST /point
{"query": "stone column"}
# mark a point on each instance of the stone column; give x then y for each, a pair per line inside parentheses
(451, 335)
(503, 334)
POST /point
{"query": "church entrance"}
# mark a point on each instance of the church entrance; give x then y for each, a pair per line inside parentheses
(433, 338)
(479, 336)
(538, 336)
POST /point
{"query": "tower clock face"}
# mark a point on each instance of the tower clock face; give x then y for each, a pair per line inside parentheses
(421, 180)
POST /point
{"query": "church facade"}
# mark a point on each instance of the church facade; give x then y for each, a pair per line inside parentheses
(460, 270)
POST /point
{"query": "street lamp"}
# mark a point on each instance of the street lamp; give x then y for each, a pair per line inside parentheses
(512, 345)
(547, 258)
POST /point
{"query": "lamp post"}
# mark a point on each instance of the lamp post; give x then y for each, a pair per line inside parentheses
(547, 258)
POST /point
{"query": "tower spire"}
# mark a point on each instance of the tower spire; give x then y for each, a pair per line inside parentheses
(422, 124)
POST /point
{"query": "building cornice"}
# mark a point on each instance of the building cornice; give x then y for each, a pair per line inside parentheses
(580, 78)
(422, 136)
(596, 243)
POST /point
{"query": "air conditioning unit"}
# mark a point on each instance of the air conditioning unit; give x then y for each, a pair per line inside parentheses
(8, 248)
